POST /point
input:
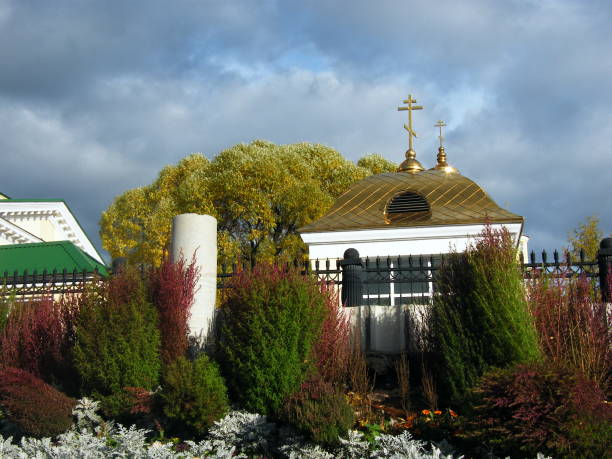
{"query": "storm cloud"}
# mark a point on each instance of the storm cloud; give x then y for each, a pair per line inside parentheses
(96, 97)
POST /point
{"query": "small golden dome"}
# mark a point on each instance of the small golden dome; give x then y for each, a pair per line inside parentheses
(410, 164)
(442, 164)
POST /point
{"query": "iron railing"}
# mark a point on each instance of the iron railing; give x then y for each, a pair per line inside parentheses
(384, 280)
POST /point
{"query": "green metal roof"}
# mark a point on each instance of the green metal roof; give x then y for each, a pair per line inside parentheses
(39, 256)
(67, 207)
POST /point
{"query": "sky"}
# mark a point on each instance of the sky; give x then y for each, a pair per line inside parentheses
(96, 97)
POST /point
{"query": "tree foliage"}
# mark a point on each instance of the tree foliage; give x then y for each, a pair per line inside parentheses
(376, 164)
(260, 194)
(587, 237)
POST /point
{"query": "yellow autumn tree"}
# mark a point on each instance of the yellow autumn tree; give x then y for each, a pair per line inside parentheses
(260, 193)
(586, 237)
(376, 164)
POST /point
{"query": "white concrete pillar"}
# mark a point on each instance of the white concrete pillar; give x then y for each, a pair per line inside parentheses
(197, 234)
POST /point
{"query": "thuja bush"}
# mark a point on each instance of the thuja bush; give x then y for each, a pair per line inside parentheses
(480, 317)
(38, 337)
(33, 406)
(573, 325)
(172, 287)
(320, 410)
(194, 395)
(270, 321)
(542, 407)
(117, 341)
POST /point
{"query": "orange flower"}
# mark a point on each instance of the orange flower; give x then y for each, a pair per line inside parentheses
(426, 412)
(437, 412)
(452, 413)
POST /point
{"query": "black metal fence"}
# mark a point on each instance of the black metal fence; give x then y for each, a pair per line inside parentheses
(363, 281)
(36, 285)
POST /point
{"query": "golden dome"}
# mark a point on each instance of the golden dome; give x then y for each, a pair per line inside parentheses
(410, 164)
(442, 164)
(452, 199)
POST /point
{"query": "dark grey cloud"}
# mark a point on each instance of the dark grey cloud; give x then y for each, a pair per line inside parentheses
(96, 97)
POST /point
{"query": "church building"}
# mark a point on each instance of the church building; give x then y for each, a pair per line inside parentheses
(413, 212)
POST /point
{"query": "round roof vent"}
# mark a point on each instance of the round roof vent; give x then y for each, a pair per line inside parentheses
(407, 202)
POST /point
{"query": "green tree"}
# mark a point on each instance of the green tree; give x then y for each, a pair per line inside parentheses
(587, 237)
(260, 193)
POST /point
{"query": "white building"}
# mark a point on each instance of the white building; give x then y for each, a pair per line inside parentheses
(43, 235)
(411, 212)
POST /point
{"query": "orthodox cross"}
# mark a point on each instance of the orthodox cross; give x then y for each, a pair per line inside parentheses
(440, 124)
(408, 127)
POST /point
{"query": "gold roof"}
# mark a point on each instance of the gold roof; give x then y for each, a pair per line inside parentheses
(453, 200)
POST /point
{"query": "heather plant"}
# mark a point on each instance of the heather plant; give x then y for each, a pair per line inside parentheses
(194, 395)
(480, 318)
(332, 350)
(573, 325)
(117, 342)
(33, 406)
(542, 407)
(5, 307)
(270, 322)
(172, 287)
(319, 410)
(38, 337)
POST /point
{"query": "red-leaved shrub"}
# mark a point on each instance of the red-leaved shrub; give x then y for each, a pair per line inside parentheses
(38, 338)
(573, 325)
(541, 407)
(32, 405)
(333, 348)
(172, 290)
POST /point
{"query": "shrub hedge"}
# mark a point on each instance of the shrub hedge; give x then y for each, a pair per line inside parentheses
(270, 321)
(118, 342)
(193, 395)
(320, 410)
(480, 318)
(541, 407)
(33, 406)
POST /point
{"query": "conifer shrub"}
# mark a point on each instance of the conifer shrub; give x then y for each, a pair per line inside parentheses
(33, 406)
(319, 410)
(117, 342)
(479, 318)
(38, 337)
(270, 321)
(172, 287)
(194, 395)
(541, 407)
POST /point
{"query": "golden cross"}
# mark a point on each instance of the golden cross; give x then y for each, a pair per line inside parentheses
(410, 107)
(440, 124)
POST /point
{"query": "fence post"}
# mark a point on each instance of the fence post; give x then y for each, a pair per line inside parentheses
(604, 259)
(352, 286)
